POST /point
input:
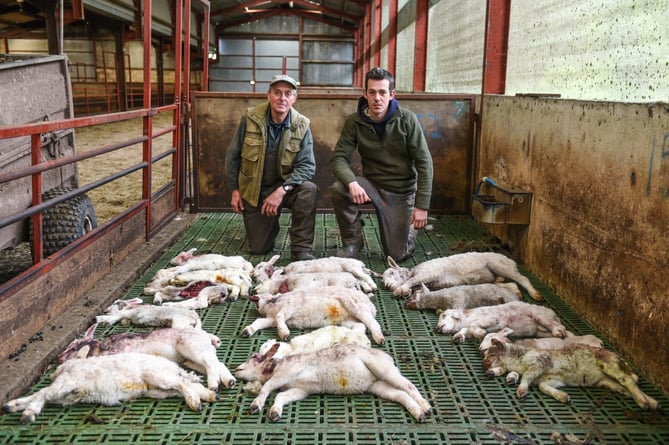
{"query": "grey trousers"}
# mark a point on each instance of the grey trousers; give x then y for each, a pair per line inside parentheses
(393, 211)
(261, 230)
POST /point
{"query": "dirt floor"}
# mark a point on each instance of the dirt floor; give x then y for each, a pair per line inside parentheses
(111, 199)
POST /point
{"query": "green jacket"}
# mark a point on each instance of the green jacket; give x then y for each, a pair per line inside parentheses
(399, 161)
(245, 157)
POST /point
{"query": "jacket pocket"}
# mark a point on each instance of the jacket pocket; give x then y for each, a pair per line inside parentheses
(250, 155)
(292, 149)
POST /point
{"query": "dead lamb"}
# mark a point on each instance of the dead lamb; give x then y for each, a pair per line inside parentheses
(134, 312)
(309, 308)
(321, 338)
(187, 261)
(237, 281)
(110, 380)
(281, 283)
(341, 369)
(463, 297)
(541, 343)
(197, 295)
(192, 348)
(455, 270)
(574, 365)
(264, 270)
(525, 319)
(324, 337)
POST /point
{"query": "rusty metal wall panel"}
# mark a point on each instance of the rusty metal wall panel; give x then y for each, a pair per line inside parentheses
(447, 122)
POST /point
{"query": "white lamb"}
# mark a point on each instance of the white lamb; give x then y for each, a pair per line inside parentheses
(190, 347)
(324, 337)
(134, 312)
(186, 261)
(504, 335)
(238, 281)
(266, 269)
(341, 369)
(464, 296)
(110, 380)
(280, 283)
(455, 270)
(525, 319)
(307, 308)
(197, 295)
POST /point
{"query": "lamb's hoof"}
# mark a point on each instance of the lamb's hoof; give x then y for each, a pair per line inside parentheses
(274, 416)
(231, 383)
(255, 409)
(246, 333)
(286, 338)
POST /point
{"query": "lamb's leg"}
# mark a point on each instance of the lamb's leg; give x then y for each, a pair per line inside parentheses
(385, 370)
(282, 328)
(550, 388)
(372, 325)
(514, 275)
(388, 392)
(258, 324)
(629, 383)
(283, 398)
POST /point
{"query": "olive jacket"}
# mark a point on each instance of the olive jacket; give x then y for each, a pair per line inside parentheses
(245, 157)
(398, 161)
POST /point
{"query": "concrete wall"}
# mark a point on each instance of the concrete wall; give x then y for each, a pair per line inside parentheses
(599, 230)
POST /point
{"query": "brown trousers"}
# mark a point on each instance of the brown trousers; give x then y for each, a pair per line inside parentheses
(393, 211)
(261, 230)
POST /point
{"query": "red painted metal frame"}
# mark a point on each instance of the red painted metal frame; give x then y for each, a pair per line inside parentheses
(180, 143)
(392, 36)
(496, 46)
(420, 62)
(377, 32)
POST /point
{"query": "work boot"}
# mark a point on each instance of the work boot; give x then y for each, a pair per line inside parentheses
(350, 250)
(302, 256)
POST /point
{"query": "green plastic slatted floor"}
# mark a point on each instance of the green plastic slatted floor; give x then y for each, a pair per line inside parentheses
(468, 407)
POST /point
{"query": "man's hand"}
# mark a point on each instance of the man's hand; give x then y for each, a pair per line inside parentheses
(358, 194)
(237, 202)
(270, 205)
(419, 218)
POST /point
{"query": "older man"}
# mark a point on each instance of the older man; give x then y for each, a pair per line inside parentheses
(269, 164)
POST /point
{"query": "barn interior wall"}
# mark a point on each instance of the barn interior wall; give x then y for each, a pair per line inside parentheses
(406, 45)
(613, 50)
(599, 229)
(455, 47)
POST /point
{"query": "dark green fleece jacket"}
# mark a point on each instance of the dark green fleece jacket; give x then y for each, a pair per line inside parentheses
(398, 161)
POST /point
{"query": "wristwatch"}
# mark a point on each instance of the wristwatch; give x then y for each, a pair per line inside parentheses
(287, 188)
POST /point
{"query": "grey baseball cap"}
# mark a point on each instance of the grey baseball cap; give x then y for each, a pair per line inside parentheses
(283, 78)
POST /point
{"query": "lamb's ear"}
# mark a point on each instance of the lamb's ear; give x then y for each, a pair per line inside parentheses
(277, 273)
(498, 344)
(91, 331)
(273, 260)
(424, 288)
(392, 263)
(83, 352)
(507, 331)
(272, 350)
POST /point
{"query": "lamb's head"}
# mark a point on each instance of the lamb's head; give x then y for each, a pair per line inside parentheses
(414, 301)
(120, 305)
(259, 366)
(182, 257)
(500, 336)
(494, 359)
(395, 275)
(81, 347)
(284, 348)
(450, 321)
(264, 270)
